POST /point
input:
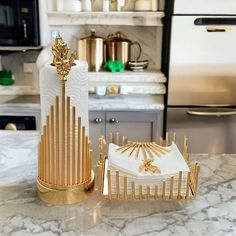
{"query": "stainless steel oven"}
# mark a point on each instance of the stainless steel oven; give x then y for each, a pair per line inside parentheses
(19, 23)
(202, 74)
(20, 116)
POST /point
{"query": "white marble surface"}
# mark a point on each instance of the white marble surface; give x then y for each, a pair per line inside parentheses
(31, 104)
(213, 212)
(106, 18)
(127, 76)
(123, 103)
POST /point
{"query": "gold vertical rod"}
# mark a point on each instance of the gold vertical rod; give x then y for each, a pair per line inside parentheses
(132, 190)
(110, 137)
(148, 192)
(39, 160)
(57, 142)
(101, 172)
(167, 138)
(163, 189)
(171, 186)
(117, 138)
(174, 137)
(48, 168)
(86, 157)
(42, 157)
(45, 153)
(83, 152)
(68, 112)
(99, 178)
(140, 192)
(156, 192)
(73, 177)
(90, 162)
(125, 187)
(100, 148)
(187, 186)
(161, 141)
(179, 185)
(109, 184)
(184, 147)
(79, 155)
(117, 184)
(63, 136)
(192, 176)
(196, 180)
(52, 157)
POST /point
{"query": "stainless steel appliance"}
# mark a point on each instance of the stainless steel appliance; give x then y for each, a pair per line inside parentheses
(202, 74)
(19, 23)
(17, 123)
(91, 49)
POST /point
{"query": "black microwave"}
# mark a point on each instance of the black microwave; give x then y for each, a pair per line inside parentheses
(19, 23)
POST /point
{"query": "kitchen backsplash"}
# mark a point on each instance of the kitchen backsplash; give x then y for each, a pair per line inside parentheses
(15, 62)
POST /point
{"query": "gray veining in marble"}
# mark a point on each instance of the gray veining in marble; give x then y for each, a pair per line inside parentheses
(23, 105)
(213, 212)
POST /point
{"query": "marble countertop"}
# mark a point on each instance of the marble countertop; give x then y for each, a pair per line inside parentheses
(213, 212)
(96, 103)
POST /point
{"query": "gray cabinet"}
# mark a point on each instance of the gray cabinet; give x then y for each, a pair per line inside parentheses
(136, 125)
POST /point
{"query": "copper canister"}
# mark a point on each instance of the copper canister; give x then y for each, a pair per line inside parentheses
(91, 49)
(119, 48)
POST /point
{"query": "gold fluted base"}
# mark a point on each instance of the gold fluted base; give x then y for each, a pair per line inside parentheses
(65, 195)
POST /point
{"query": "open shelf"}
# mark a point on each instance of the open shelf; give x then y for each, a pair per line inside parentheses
(145, 82)
(149, 76)
(106, 18)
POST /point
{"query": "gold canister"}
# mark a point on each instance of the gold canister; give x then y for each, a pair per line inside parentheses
(119, 48)
(91, 49)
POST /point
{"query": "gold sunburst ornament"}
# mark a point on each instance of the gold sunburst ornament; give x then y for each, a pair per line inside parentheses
(149, 150)
(65, 173)
(148, 167)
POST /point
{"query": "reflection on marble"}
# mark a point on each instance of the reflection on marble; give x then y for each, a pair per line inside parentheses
(124, 103)
(213, 212)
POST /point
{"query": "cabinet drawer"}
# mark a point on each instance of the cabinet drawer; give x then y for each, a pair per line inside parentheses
(138, 126)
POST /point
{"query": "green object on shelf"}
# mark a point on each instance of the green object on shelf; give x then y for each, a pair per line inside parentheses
(6, 77)
(114, 66)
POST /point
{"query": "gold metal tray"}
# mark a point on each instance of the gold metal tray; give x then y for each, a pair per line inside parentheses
(145, 192)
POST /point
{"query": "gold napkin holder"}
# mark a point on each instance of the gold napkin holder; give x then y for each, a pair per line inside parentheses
(145, 192)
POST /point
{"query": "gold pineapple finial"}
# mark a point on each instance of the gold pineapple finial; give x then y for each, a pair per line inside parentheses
(61, 58)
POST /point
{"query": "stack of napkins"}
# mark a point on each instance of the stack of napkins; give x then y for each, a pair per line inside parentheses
(170, 164)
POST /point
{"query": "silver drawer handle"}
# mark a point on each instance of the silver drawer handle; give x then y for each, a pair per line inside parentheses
(98, 120)
(114, 120)
(211, 113)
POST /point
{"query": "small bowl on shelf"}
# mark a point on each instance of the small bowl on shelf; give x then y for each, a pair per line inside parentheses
(138, 65)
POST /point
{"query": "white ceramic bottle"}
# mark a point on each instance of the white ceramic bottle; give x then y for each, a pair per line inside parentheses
(154, 5)
(106, 5)
(86, 5)
(72, 5)
(59, 5)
